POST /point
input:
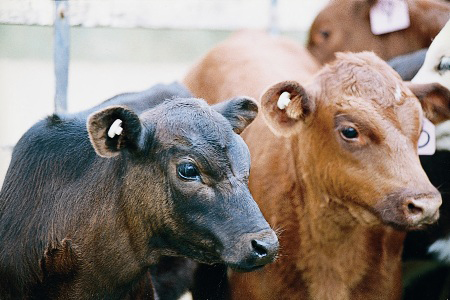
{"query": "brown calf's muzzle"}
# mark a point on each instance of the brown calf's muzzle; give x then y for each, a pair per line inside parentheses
(411, 210)
(421, 209)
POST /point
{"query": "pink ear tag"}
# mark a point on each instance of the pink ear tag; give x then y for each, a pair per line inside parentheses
(388, 16)
(427, 139)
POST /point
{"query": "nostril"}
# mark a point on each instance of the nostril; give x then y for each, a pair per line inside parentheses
(421, 209)
(415, 210)
(260, 248)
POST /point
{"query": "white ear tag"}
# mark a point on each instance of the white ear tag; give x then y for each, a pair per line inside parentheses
(389, 16)
(284, 100)
(427, 139)
(115, 128)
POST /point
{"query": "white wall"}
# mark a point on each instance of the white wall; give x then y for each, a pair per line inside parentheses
(106, 61)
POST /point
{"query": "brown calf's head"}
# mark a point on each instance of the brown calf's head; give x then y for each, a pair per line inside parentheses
(186, 185)
(357, 127)
(344, 25)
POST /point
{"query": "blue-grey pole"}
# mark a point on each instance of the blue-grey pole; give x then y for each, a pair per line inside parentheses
(61, 54)
(274, 26)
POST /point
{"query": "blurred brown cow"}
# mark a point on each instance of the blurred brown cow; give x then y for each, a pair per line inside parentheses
(344, 25)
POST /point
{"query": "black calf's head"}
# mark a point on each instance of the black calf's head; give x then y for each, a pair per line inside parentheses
(185, 186)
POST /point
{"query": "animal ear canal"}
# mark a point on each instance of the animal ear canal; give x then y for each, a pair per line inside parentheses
(435, 100)
(239, 111)
(60, 259)
(114, 129)
(285, 105)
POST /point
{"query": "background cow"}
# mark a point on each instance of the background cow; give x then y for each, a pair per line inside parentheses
(344, 25)
(86, 208)
(429, 274)
(340, 165)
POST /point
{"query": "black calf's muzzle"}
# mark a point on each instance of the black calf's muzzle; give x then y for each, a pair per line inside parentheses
(253, 251)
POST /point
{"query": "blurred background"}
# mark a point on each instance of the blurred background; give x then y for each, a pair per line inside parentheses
(118, 46)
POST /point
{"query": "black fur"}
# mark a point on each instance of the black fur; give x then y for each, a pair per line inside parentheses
(75, 225)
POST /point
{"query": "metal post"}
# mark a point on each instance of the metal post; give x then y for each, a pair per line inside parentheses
(274, 26)
(61, 54)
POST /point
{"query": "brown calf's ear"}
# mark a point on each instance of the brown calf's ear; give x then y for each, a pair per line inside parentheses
(113, 129)
(239, 111)
(284, 119)
(435, 100)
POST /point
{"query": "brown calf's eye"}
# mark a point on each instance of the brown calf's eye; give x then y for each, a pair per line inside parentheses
(349, 133)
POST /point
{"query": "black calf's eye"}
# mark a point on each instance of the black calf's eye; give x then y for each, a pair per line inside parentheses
(188, 171)
(349, 133)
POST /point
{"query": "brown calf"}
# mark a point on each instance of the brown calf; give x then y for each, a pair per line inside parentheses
(341, 165)
(344, 25)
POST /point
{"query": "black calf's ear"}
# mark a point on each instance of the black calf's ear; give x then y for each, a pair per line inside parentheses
(435, 100)
(113, 129)
(284, 105)
(60, 259)
(239, 111)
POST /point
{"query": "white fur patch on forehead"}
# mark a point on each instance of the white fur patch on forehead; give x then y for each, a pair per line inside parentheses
(397, 93)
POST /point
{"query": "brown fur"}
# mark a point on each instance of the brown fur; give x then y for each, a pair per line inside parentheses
(344, 25)
(328, 198)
